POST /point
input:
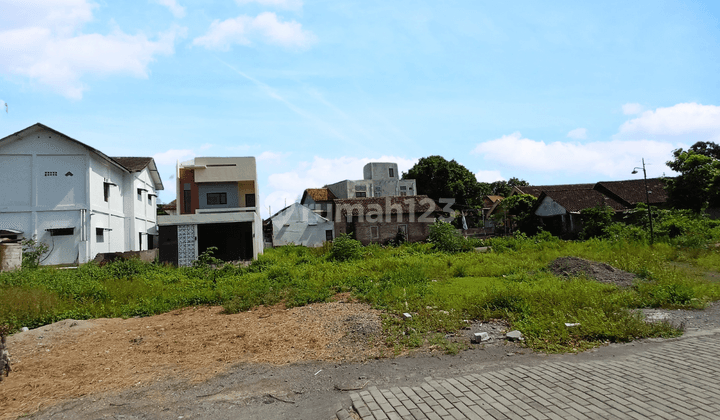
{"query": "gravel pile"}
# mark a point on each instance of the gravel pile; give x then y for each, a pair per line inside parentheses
(601, 272)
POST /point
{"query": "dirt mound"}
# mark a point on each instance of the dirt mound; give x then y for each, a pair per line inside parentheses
(71, 358)
(604, 273)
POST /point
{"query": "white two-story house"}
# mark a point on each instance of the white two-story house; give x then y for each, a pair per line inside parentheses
(74, 198)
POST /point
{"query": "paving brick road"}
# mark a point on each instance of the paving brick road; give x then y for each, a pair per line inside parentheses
(679, 379)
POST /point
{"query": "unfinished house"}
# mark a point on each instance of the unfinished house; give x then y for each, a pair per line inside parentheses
(216, 206)
(299, 225)
(559, 210)
(380, 179)
(74, 198)
(385, 219)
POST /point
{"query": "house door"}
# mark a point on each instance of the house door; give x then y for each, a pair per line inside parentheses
(187, 245)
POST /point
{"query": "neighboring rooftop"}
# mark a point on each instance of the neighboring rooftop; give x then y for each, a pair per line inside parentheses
(632, 192)
(574, 200)
(319, 194)
(133, 164)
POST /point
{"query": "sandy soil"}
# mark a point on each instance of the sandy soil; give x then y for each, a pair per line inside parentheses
(71, 358)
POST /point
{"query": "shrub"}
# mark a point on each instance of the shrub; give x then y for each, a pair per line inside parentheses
(345, 248)
(32, 252)
(445, 238)
(596, 220)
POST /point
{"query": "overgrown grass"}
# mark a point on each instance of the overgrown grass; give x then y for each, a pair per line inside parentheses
(440, 290)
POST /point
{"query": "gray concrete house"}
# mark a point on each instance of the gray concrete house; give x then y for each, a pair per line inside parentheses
(299, 225)
(380, 179)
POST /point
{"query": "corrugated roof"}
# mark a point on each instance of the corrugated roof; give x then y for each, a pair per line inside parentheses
(387, 205)
(574, 200)
(633, 191)
(133, 164)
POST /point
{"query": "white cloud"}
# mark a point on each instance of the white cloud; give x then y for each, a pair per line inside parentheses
(269, 156)
(632, 109)
(578, 133)
(173, 155)
(689, 122)
(489, 176)
(280, 4)
(290, 185)
(177, 10)
(42, 41)
(244, 29)
(611, 159)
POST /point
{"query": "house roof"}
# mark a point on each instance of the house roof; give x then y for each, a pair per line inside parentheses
(137, 164)
(536, 190)
(299, 207)
(574, 200)
(387, 205)
(632, 192)
(318, 194)
(113, 161)
(171, 205)
(133, 164)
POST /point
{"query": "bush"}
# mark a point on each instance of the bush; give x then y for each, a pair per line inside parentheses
(345, 248)
(446, 238)
(596, 220)
(32, 252)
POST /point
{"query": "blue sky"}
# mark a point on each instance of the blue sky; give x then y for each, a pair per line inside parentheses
(564, 93)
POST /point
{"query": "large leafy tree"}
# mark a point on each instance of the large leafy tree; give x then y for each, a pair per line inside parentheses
(698, 184)
(439, 178)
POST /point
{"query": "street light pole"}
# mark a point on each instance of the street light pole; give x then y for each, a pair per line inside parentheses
(647, 199)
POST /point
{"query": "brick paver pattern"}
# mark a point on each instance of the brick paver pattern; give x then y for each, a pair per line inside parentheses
(676, 380)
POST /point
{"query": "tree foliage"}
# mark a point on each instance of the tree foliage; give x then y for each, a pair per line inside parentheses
(698, 185)
(504, 188)
(596, 221)
(439, 178)
(518, 210)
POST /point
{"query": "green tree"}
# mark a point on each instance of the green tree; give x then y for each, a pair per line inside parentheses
(595, 221)
(698, 185)
(504, 188)
(439, 178)
(517, 209)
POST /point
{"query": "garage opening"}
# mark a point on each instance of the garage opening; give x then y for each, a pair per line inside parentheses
(232, 240)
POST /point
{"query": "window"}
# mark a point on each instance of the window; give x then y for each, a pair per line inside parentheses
(391, 172)
(140, 235)
(99, 235)
(106, 191)
(374, 232)
(403, 193)
(403, 188)
(402, 229)
(249, 200)
(329, 235)
(150, 198)
(360, 194)
(53, 173)
(187, 197)
(61, 231)
(216, 199)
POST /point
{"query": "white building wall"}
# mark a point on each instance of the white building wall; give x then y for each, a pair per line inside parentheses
(50, 182)
(299, 225)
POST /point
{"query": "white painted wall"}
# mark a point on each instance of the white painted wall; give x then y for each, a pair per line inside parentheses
(299, 225)
(549, 207)
(71, 196)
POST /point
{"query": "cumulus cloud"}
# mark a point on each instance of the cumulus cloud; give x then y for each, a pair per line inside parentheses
(578, 133)
(689, 122)
(173, 155)
(320, 171)
(611, 159)
(280, 4)
(177, 10)
(244, 30)
(632, 109)
(43, 41)
(489, 176)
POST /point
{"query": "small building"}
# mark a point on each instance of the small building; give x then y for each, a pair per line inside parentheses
(385, 219)
(297, 224)
(215, 207)
(380, 179)
(559, 210)
(74, 198)
(319, 200)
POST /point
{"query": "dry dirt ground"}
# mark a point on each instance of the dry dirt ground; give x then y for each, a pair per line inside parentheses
(268, 363)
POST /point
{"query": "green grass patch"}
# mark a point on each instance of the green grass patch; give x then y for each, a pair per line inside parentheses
(440, 289)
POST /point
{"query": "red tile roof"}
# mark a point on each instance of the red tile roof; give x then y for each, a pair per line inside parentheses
(633, 191)
(575, 200)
